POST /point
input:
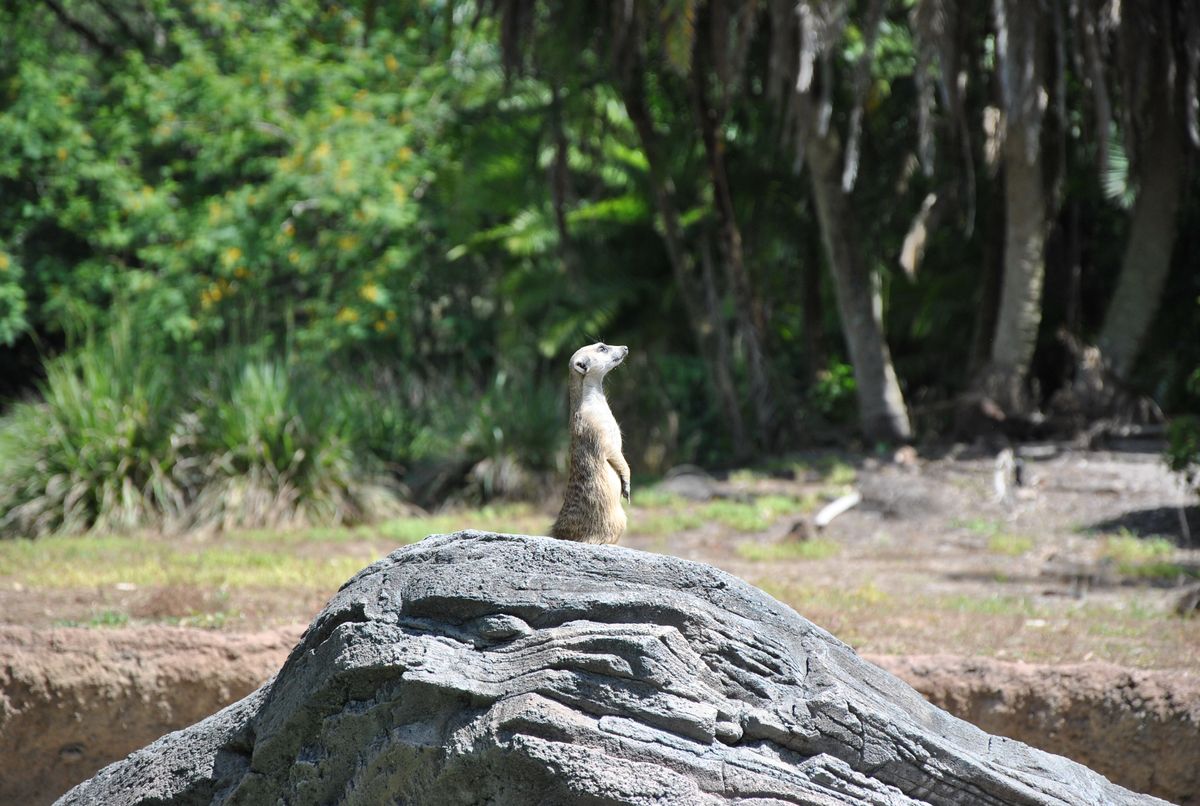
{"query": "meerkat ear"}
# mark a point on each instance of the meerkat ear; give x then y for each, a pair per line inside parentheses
(580, 366)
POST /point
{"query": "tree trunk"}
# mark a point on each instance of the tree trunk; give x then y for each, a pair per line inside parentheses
(881, 408)
(1147, 258)
(1020, 311)
(703, 318)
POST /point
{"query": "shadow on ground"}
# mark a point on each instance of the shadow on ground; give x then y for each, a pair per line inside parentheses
(1165, 522)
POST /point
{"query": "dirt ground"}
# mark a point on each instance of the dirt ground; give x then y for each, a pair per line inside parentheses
(1085, 562)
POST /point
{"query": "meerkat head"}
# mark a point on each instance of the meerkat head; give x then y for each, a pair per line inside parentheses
(596, 360)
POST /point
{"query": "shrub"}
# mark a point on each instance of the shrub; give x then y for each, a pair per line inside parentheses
(101, 448)
(276, 448)
(126, 437)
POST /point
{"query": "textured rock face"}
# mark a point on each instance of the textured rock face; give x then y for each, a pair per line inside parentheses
(512, 670)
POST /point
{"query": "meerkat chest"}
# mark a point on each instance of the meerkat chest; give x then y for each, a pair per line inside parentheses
(597, 417)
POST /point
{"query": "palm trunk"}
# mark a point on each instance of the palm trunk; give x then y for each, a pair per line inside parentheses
(1147, 258)
(1020, 311)
(881, 409)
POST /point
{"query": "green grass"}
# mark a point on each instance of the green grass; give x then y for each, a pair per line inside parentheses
(1146, 558)
(679, 515)
(105, 618)
(985, 527)
(800, 598)
(755, 515)
(310, 559)
(652, 497)
(665, 523)
(1010, 545)
(790, 550)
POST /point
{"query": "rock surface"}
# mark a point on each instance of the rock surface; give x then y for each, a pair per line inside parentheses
(504, 669)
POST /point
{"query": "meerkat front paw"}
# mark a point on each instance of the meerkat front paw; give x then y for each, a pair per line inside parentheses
(625, 490)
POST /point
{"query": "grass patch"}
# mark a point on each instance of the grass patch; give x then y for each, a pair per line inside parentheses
(790, 550)
(1010, 545)
(654, 497)
(680, 515)
(756, 515)
(1147, 558)
(987, 605)
(984, 527)
(862, 598)
(309, 559)
(664, 523)
(105, 618)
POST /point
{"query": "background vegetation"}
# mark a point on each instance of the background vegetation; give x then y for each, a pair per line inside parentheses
(299, 261)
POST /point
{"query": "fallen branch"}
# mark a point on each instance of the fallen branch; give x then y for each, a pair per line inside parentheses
(835, 508)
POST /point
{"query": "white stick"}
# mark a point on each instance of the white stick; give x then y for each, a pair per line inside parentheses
(835, 508)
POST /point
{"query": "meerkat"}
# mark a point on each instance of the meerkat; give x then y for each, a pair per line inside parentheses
(598, 475)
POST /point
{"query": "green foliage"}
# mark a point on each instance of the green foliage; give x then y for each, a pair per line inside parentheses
(122, 439)
(102, 447)
(834, 390)
(362, 247)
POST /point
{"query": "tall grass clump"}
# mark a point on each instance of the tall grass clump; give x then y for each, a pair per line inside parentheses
(514, 437)
(125, 436)
(277, 447)
(100, 449)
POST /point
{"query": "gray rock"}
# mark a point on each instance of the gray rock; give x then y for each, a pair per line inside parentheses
(483, 668)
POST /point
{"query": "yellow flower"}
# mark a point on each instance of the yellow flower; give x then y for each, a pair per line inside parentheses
(4, 262)
(264, 76)
(347, 316)
(404, 154)
(398, 192)
(380, 325)
(293, 257)
(62, 154)
(231, 255)
(215, 212)
(369, 292)
(392, 64)
(241, 272)
(322, 150)
(361, 95)
(344, 168)
(391, 316)
(289, 229)
(347, 242)
(338, 111)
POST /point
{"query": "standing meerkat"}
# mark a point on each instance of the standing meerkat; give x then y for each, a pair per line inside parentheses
(598, 474)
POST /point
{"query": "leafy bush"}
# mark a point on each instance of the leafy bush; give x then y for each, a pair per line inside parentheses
(123, 438)
(276, 448)
(101, 449)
